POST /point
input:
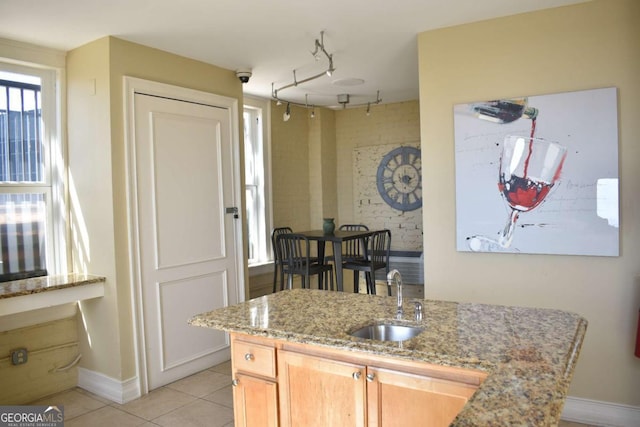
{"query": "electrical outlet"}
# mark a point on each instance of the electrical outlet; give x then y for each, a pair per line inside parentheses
(19, 356)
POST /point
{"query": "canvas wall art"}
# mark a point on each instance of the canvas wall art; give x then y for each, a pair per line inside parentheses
(538, 174)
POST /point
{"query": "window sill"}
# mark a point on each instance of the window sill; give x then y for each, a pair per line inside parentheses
(39, 292)
(258, 269)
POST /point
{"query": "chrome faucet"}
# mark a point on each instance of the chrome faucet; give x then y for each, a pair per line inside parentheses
(395, 276)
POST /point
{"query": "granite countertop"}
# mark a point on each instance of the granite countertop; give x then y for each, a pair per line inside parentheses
(529, 354)
(36, 285)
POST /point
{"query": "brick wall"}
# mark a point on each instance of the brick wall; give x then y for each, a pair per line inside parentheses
(361, 142)
(372, 210)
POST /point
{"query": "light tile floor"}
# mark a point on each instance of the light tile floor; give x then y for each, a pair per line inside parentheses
(202, 399)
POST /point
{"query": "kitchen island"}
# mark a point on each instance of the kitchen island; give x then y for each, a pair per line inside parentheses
(524, 358)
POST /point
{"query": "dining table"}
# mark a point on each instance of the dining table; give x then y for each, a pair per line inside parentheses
(336, 238)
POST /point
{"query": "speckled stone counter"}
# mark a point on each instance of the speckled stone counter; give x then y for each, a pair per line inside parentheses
(45, 283)
(529, 354)
(24, 295)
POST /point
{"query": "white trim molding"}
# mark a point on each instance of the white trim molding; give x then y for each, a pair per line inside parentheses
(600, 413)
(31, 54)
(258, 269)
(107, 387)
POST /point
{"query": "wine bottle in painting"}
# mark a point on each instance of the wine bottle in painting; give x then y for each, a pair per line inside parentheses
(503, 110)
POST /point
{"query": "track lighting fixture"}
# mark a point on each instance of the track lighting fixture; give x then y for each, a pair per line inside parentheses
(330, 70)
(318, 53)
(306, 104)
(287, 113)
(343, 99)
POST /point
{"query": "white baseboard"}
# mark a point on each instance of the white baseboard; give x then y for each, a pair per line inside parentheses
(107, 387)
(600, 413)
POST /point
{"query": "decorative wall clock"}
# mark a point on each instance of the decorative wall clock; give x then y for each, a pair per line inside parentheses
(399, 178)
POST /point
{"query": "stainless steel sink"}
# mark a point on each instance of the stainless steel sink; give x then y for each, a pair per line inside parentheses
(386, 332)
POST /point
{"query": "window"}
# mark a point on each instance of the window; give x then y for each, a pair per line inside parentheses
(27, 127)
(256, 183)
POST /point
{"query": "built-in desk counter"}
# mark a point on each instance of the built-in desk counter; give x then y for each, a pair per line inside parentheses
(528, 354)
(38, 292)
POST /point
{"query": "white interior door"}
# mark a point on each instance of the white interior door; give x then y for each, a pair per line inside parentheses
(187, 249)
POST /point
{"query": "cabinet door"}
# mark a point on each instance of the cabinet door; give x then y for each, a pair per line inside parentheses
(403, 399)
(255, 402)
(320, 392)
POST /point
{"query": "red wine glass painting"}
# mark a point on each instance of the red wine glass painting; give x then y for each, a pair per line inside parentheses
(538, 174)
(529, 169)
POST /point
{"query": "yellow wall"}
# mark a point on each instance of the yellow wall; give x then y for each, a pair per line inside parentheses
(50, 346)
(590, 45)
(91, 203)
(290, 168)
(328, 157)
(322, 166)
(97, 166)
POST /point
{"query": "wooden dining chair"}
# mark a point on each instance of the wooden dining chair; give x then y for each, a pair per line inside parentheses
(378, 258)
(294, 255)
(276, 261)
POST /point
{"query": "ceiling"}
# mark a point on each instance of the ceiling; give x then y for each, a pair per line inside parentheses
(370, 40)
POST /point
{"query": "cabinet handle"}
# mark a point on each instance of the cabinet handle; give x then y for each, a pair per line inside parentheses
(356, 375)
(235, 382)
(371, 377)
(248, 356)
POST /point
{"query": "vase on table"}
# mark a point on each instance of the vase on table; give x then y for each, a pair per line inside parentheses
(328, 226)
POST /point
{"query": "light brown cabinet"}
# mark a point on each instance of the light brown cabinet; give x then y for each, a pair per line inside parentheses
(400, 398)
(320, 392)
(255, 401)
(255, 390)
(287, 384)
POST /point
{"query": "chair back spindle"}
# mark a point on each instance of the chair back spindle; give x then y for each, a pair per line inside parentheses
(277, 264)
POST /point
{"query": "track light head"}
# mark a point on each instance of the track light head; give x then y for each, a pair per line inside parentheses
(287, 113)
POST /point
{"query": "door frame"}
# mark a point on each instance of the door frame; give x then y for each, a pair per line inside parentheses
(131, 86)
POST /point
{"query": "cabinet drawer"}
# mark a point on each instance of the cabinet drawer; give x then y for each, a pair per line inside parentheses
(254, 358)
